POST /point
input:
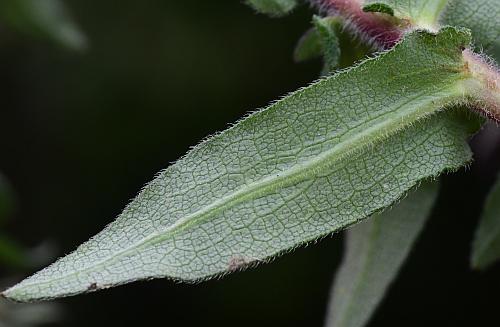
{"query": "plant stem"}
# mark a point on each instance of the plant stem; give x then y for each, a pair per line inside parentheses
(483, 86)
(383, 31)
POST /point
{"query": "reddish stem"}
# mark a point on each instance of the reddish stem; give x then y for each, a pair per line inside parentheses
(381, 30)
(484, 86)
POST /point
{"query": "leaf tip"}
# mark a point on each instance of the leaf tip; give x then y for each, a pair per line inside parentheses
(9, 294)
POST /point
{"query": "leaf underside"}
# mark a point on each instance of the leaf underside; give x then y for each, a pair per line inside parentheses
(486, 245)
(375, 251)
(315, 162)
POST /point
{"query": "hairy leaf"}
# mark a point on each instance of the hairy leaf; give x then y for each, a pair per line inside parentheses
(273, 7)
(486, 245)
(315, 162)
(482, 17)
(419, 13)
(322, 40)
(327, 31)
(375, 251)
(43, 18)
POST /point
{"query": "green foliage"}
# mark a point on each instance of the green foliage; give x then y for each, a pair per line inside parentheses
(375, 251)
(420, 13)
(322, 40)
(308, 47)
(273, 7)
(482, 17)
(315, 162)
(43, 19)
(11, 254)
(486, 245)
(379, 7)
(327, 30)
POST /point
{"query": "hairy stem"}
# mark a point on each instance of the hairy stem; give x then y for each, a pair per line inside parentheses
(484, 85)
(383, 31)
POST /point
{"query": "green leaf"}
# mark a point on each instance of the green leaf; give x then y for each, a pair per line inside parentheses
(420, 13)
(482, 17)
(486, 245)
(12, 254)
(379, 7)
(315, 162)
(309, 46)
(327, 31)
(274, 8)
(322, 40)
(44, 19)
(375, 252)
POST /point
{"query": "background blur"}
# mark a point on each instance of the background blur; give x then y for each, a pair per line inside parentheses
(82, 131)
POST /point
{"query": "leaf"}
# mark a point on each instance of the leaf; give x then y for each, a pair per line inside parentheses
(309, 46)
(43, 18)
(322, 40)
(274, 8)
(315, 162)
(375, 252)
(327, 31)
(486, 244)
(482, 17)
(379, 7)
(420, 13)
(11, 254)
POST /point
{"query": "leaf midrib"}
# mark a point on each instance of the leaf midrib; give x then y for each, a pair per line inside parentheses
(372, 131)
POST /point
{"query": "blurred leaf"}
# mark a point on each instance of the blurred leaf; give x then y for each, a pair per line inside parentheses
(486, 245)
(11, 254)
(320, 41)
(43, 19)
(309, 46)
(375, 251)
(315, 162)
(273, 7)
(482, 17)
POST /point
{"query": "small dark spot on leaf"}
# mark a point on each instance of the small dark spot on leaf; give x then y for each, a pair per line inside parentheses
(236, 262)
(92, 287)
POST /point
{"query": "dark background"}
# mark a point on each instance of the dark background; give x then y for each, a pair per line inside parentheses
(81, 133)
